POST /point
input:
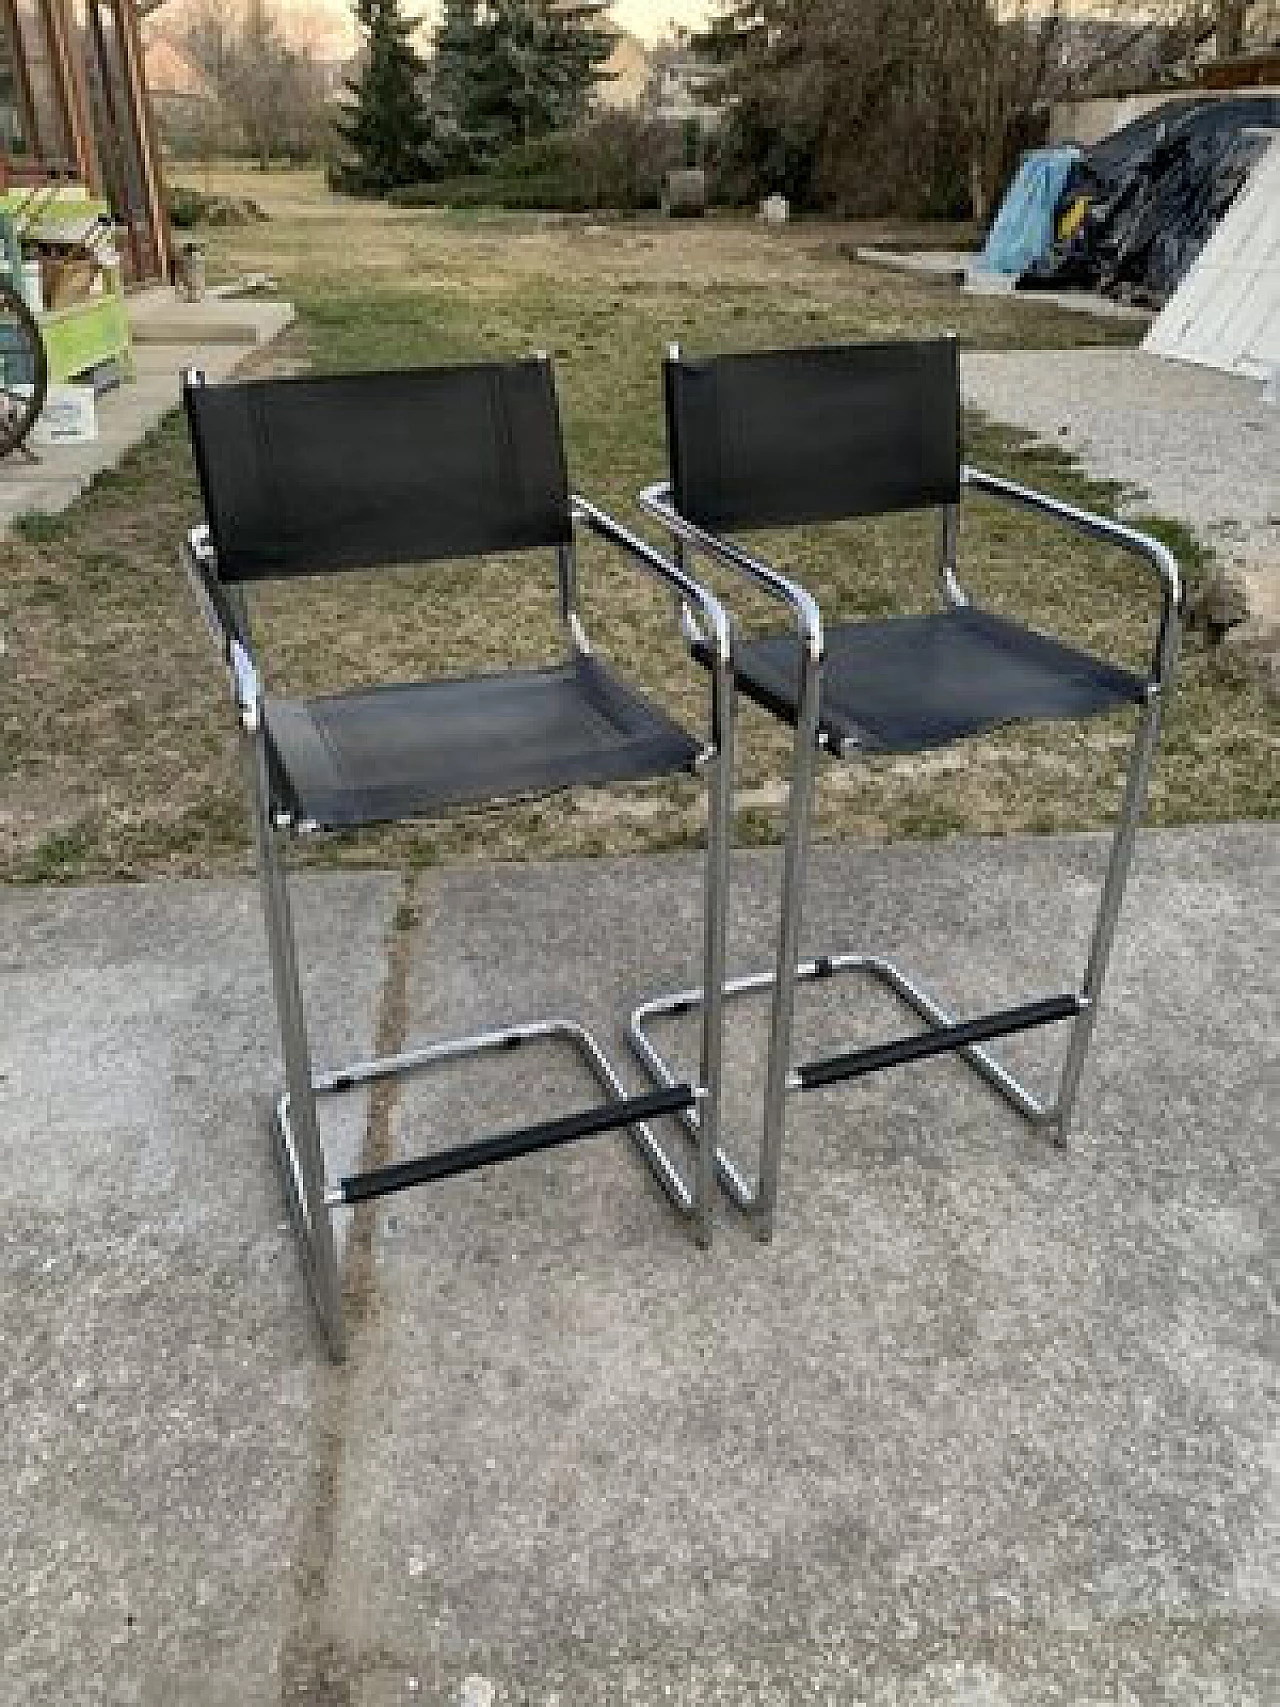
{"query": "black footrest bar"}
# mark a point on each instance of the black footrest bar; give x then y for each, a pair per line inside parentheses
(464, 1158)
(942, 1039)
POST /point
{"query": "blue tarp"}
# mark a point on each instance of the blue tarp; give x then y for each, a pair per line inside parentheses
(1024, 230)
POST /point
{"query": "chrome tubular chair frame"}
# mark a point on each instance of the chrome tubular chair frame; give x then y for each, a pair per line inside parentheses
(312, 1197)
(758, 1197)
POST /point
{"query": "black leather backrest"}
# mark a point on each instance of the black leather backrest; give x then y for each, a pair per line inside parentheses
(782, 437)
(303, 476)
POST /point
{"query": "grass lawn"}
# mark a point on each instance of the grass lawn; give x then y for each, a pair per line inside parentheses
(118, 741)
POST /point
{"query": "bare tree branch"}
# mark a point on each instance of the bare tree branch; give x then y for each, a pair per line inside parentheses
(266, 90)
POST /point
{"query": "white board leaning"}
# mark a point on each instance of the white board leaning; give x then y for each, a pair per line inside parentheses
(1226, 312)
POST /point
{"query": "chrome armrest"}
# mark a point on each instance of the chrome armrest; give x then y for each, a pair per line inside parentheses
(656, 501)
(695, 596)
(199, 564)
(1153, 552)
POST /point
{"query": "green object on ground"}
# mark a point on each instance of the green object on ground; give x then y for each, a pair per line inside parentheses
(78, 336)
(86, 334)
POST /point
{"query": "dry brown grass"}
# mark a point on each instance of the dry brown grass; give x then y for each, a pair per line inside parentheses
(118, 740)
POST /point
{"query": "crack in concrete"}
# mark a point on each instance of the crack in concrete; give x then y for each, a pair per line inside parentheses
(317, 1666)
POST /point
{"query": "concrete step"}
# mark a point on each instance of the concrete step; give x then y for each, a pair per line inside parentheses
(159, 316)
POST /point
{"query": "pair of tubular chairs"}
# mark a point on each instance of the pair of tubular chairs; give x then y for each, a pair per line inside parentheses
(312, 475)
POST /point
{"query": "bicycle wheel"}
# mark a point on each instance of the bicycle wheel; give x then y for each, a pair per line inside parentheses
(24, 370)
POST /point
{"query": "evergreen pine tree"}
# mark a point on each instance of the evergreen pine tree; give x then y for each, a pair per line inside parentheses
(511, 71)
(460, 54)
(386, 127)
(769, 82)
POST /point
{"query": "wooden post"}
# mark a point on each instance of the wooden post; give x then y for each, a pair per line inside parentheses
(1231, 21)
(69, 72)
(148, 134)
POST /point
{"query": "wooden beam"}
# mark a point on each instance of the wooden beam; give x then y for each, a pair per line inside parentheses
(69, 74)
(1230, 31)
(30, 118)
(148, 132)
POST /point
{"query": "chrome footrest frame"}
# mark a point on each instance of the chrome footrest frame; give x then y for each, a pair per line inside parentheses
(666, 1171)
(361, 1073)
(744, 1191)
(312, 1197)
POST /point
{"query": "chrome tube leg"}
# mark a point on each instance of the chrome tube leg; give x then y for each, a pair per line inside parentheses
(303, 1134)
(794, 863)
(1104, 930)
(715, 925)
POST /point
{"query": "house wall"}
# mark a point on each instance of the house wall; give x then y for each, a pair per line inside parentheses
(74, 104)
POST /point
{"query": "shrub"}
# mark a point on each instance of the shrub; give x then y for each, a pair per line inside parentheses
(487, 189)
(547, 157)
(616, 161)
(188, 208)
(623, 158)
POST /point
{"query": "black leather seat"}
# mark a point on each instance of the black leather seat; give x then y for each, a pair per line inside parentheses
(909, 683)
(408, 749)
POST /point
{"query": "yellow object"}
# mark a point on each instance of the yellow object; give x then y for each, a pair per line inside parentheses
(1073, 218)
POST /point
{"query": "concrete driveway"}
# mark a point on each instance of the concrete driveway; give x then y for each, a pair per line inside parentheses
(1182, 440)
(988, 1424)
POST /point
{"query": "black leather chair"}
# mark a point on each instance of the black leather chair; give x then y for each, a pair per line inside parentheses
(313, 476)
(787, 437)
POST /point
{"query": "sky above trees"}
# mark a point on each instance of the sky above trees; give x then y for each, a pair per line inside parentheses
(327, 24)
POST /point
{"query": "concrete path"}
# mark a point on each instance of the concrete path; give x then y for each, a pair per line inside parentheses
(989, 1424)
(160, 316)
(214, 335)
(963, 267)
(1188, 441)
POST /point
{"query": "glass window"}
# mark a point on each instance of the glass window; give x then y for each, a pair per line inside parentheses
(13, 118)
(116, 127)
(51, 142)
